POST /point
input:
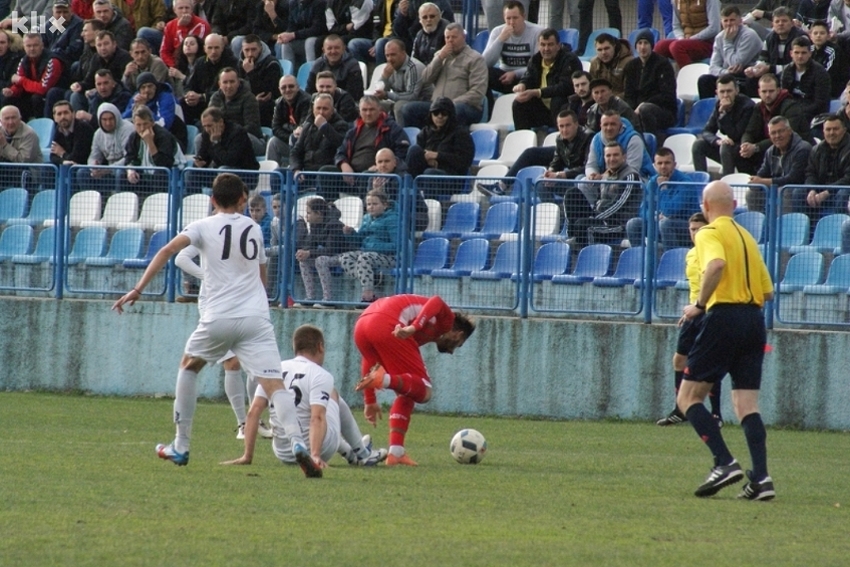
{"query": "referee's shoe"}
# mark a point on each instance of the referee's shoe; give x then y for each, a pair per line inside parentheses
(720, 477)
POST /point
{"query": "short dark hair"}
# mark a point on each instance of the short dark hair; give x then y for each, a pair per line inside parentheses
(726, 78)
(96, 25)
(769, 77)
(464, 324)
(782, 11)
(664, 152)
(549, 33)
(251, 38)
(59, 103)
(802, 41)
(332, 37)
(227, 189)
(227, 70)
(514, 5)
(568, 113)
(213, 112)
(318, 205)
(614, 144)
(730, 11)
(326, 75)
(141, 41)
(105, 33)
(698, 217)
(612, 112)
(307, 338)
(819, 24)
(832, 117)
(580, 74)
(143, 112)
(104, 73)
(606, 38)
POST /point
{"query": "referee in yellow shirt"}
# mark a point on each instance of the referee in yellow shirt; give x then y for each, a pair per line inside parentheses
(735, 285)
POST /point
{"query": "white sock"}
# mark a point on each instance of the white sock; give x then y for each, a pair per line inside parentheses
(185, 400)
(283, 406)
(350, 431)
(396, 450)
(346, 451)
(234, 389)
(386, 383)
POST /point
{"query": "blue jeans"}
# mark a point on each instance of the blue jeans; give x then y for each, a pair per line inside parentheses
(645, 14)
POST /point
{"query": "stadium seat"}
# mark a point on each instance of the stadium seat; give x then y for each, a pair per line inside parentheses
(195, 207)
(285, 66)
(671, 268)
(43, 249)
(486, 174)
(834, 105)
(480, 41)
(120, 208)
(501, 218)
(827, 237)
(376, 77)
(502, 118)
(629, 269)
(471, 255)
(700, 177)
(681, 146)
(89, 243)
(364, 72)
(531, 173)
(793, 230)
(126, 244)
(435, 215)
(593, 261)
(44, 128)
(154, 215)
(412, 132)
(431, 254)
(486, 143)
(264, 182)
(84, 206)
(545, 222)
(837, 279)
(551, 259)
(633, 35)
(805, 268)
(651, 143)
(158, 240)
(191, 134)
(505, 264)
(304, 74)
(15, 240)
(686, 81)
(13, 204)
(301, 206)
(352, 211)
(460, 218)
(700, 113)
(515, 143)
(753, 221)
(590, 47)
(43, 207)
(738, 182)
(551, 140)
(569, 36)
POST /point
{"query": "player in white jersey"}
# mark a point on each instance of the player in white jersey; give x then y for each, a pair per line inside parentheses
(323, 416)
(234, 388)
(235, 315)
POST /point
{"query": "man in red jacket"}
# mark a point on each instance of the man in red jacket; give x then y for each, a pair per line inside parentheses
(388, 335)
(38, 72)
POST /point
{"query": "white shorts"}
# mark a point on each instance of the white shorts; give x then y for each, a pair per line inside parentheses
(283, 449)
(251, 339)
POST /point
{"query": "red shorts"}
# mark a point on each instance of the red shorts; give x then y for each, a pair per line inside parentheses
(373, 337)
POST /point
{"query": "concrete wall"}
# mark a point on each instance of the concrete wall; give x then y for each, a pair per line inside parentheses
(534, 367)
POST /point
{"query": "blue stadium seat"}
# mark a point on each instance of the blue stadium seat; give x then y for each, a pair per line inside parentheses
(125, 244)
(827, 237)
(486, 143)
(651, 143)
(431, 254)
(531, 173)
(551, 259)
(303, 75)
(505, 264)
(267, 132)
(43, 207)
(753, 221)
(629, 269)
(569, 36)
(43, 249)
(44, 129)
(837, 280)
(561, 236)
(834, 105)
(593, 261)
(590, 47)
(158, 240)
(501, 218)
(191, 133)
(89, 243)
(805, 268)
(471, 255)
(15, 240)
(285, 66)
(412, 132)
(700, 113)
(680, 112)
(480, 41)
(793, 230)
(699, 176)
(13, 204)
(671, 268)
(460, 218)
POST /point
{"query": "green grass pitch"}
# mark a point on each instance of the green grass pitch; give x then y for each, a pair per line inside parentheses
(80, 485)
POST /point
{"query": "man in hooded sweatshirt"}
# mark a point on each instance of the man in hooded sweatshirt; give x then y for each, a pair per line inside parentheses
(443, 147)
(160, 99)
(107, 148)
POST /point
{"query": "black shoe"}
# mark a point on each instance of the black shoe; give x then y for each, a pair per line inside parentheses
(673, 418)
(758, 490)
(720, 477)
(491, 189)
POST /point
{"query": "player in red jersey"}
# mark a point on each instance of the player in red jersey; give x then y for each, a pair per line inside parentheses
(388, 335)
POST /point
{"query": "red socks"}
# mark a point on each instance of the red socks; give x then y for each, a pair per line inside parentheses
(400, 419)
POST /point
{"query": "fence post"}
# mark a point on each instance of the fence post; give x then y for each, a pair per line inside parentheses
(773, 207)
(526, 246)
(287, 258)
(59, 243)
(650, 253)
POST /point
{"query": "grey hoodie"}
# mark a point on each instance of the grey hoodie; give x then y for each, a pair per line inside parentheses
(108, 149)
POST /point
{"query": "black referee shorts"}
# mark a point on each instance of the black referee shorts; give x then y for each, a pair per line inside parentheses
(688, 335)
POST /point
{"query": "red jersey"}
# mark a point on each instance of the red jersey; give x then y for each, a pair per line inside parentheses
(430, 315)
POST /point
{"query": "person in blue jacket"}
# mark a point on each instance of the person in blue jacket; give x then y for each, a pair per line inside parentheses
(159, 97)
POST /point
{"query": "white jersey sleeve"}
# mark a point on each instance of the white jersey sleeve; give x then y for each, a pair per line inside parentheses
(231, 248)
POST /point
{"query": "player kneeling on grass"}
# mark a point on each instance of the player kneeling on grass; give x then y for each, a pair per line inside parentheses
(388, 335)
(323, 416)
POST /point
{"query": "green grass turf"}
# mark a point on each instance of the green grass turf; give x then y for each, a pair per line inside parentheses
(80, 485)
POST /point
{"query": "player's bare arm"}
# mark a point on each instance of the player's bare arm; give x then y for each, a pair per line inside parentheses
(252, 422)
(318, 429)
(404, 332)
(177, 244)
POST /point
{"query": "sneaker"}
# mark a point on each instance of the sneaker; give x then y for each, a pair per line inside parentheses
(373, 380)
(240, 431)
(392, 461)
(491, 189)
(758, 490)
(673, 418)
(305, 461)
(720, 477)
(321, 306)
(375, 457)
(265, 431)
(168, 453)
(186, 299)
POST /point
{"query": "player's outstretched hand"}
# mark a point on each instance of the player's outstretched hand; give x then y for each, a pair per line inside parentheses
(127, 299)
(403, 332)
(372, 413)
(319, 462)
(243, 460)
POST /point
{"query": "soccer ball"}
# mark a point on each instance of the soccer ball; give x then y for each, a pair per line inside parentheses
(468, 447)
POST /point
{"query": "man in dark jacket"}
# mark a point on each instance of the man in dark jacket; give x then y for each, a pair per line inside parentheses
(150, 145)
(115, 23)
(829, 164)
(785, 163)
(806, 80)
(321, 135)
(774, 102)
(442, 146)
(536, 107)
(344, 103)
(237, 102)
(431, 37)
(290, 111)
(37, 73)
(650, 87)
(224, 143)
(342, 64)
(72, 139)
(306, 20)
(262, 71)
(109, 56)
(371, 132)
(720, 140)
(777, 48)
(203, 82)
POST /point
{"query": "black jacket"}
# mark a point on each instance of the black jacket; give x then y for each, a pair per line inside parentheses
(571, 157)
(233, 151)
(166, 145)
(653, 82)
(828, 166)
(77, 145)
(453, 144)
(784, 105)
(347, 73)
(287, 117)
(732, 123)
(115, 64)
(317, 146)
(345, 105)
(771, 55)
(812, 91)
(327, 238)
(204, 77)
(559, 83)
